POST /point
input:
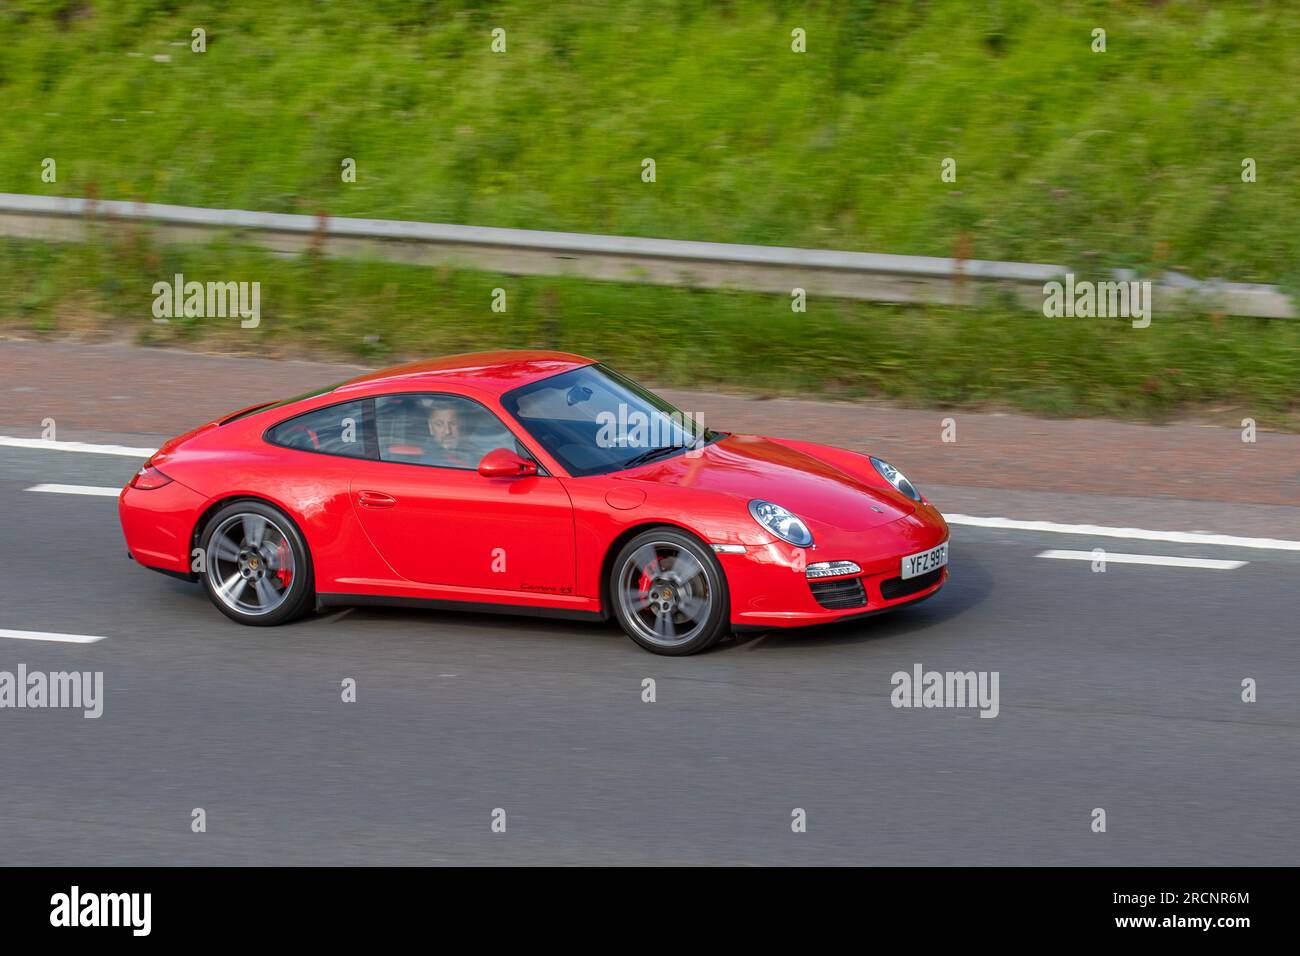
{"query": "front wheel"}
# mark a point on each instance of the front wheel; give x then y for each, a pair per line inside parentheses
(668, 592)
(258, 570)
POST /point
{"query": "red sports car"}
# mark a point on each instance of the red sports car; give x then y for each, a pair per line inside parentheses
(529, 482)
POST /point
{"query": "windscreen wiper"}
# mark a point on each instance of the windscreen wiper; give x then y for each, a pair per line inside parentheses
(650, 454)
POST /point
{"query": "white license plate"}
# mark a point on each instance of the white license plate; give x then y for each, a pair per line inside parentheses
(925, 562)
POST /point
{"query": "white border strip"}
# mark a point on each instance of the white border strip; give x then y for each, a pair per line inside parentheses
(77, 490)
(84, 447)
(1141, 534)
(50, 636)
(1158, 560)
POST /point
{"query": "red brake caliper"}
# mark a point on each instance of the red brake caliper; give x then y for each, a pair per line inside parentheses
(646, 577)
(284, 574)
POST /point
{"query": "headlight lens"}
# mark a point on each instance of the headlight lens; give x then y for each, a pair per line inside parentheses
(896, 478)
(781, 523)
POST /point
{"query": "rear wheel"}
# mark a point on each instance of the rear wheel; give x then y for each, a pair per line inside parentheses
(669, 593)
(258, 570)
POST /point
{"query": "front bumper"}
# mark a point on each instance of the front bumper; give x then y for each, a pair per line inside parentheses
(768, 588)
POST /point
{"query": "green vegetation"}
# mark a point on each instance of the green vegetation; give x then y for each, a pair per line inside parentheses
(1063, 154)
(1131, 157)
(991, 357)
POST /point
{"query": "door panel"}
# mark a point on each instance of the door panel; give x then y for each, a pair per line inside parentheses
(436, 520)
(456, 528)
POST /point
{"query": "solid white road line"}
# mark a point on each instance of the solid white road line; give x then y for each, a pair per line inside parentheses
(1007, 524)
(84, 447)
(77, 490)
(1160, 560)
(1140, 534)
(49, 636)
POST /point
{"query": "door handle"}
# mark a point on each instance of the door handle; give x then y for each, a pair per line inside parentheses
(375, 499)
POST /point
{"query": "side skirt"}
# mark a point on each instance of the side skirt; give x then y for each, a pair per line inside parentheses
(189, 576)
(436, 604)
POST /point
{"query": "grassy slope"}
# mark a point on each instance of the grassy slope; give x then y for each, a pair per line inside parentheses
(1062, 153)
(1131, 157)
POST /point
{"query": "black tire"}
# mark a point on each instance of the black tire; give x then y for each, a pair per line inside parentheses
(245, 571)
(669, 593)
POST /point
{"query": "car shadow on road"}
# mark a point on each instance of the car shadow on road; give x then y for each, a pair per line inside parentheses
(966, 588)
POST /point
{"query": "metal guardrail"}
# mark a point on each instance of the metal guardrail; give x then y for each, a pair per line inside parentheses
(778, 269)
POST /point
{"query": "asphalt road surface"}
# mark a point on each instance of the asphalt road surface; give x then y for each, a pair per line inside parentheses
(1118, 690)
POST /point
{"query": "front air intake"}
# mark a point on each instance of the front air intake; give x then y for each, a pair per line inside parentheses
(839, 594)
(901, 587)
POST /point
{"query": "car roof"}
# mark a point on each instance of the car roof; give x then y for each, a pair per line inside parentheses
(495, 372)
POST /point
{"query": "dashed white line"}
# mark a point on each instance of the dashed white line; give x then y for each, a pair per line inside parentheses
(1159, 560)
(50, 636)
(77, 490)
(1139, 534)
(86, 448)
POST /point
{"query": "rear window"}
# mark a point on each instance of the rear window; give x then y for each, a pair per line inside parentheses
(345, 429)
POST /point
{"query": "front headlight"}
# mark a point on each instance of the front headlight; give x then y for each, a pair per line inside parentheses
(896, 478)
(780, 522)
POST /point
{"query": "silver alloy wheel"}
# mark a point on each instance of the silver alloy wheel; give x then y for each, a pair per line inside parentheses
(664, 593)
(250, 564)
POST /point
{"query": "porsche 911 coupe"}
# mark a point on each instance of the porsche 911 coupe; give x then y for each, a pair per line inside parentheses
(529, 482)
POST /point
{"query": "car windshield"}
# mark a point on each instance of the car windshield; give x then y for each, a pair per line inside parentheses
(594, 420)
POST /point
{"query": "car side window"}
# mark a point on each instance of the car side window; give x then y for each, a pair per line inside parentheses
(342, 429)
(446, 431)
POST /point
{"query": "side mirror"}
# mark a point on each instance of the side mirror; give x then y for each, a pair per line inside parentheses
(503, 463)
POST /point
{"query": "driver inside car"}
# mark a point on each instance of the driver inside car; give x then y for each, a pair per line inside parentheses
(445, 430)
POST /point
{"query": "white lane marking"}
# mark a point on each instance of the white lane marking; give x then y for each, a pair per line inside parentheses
(1007, 524)
(77, 490)
(84, 447)
(1160, 560)
(50, 636)
(1141, 534)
